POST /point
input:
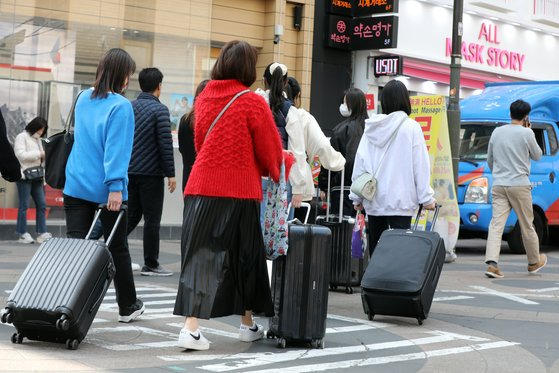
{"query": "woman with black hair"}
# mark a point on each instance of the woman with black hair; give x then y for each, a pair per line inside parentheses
(345, 139)
(97, 169)
(289, 127)
(30, 153)
(186, 137)
(393, 149)
(316, 143)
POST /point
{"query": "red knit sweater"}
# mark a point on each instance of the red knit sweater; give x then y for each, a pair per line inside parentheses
(243, 145)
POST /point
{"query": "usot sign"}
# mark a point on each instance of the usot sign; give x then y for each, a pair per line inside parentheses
(478, 53)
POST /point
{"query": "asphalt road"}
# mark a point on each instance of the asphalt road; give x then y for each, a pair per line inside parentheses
(476, 324)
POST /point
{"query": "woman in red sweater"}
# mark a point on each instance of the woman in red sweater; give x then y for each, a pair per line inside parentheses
(224, 268)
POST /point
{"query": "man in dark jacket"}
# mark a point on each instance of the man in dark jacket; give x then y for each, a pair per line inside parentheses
(9, 165)
(152, 160)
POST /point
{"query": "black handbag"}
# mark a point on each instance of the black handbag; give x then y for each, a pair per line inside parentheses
(34, 173)
(57, 151)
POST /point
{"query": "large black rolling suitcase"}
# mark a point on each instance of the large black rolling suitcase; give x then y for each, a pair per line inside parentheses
(58, 295)
(403, 273)
(345, 271)
(300, 287)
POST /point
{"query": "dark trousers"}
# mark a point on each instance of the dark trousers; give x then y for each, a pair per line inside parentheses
(378, 224)
(145, 197)
(79, 217)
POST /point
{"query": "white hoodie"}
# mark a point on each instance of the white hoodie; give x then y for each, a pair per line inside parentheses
(317, 144)
(403, 179)
(28, 150)
(296, 144)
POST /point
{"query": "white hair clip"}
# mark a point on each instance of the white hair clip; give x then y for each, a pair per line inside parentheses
(275, 65)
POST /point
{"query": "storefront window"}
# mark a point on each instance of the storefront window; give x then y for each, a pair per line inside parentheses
(49, 51)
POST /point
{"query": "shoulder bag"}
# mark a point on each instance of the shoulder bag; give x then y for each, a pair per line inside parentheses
(57, 151)
(365, 186)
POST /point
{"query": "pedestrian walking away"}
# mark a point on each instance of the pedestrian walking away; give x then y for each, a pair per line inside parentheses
(511, 147)
(152, 160)
(29, 150)
(224, 268)
(393, 149)
(345, 139)
(186, 138)
(290, 128)
(104, 119)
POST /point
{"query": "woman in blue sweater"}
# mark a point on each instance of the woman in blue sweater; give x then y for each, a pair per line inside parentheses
(97, 169)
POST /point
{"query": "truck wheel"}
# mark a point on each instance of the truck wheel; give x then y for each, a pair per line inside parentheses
(515, 237)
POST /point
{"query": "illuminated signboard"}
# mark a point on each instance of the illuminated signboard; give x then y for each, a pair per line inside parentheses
(362, 33)
(387, 65)
(355, 8)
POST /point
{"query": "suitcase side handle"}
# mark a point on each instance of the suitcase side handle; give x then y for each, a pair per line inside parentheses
(435, 216)
(123, 209)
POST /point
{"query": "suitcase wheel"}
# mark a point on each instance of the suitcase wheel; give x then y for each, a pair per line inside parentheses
(62, 323)
(349, 290)
(420, 321)
(333, 287)
(269, 334)
(72, 344)
(7, 317)
(318, 343)
(372, 316)
(17, 338)
(281, 342)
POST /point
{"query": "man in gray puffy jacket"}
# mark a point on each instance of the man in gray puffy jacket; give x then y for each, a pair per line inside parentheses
(152, 160)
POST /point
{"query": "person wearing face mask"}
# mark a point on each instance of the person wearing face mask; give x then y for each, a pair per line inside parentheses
(31, 155)
(345, 139)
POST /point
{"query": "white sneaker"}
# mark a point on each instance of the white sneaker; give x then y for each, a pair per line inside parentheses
(193, 340)
(251, 333)
(43, 237)
(25, 238)
(450, 257)
(136, 267)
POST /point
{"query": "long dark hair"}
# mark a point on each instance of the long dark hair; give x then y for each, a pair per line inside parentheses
(237, 60)
(293, 89)
(114, 67)
(275, 82)
(357, 103)
(188, 118)
(395, 97)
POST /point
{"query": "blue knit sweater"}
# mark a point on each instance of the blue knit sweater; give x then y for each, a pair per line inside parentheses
(103, 136)
(152, 154)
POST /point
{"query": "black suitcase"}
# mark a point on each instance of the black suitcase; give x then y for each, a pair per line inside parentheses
(58, 295)
(300, 287)
(403, 273)
(345, 270)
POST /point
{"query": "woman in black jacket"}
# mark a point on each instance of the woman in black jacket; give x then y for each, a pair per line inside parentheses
(186, 138)
(345, 139)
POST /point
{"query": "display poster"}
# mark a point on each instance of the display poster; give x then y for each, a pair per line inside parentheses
(430, 113)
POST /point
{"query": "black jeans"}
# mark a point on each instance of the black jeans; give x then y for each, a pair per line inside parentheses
(378, 224)
(79, 217)
(145, 197)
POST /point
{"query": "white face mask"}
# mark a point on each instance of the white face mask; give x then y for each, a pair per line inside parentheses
(345, 111)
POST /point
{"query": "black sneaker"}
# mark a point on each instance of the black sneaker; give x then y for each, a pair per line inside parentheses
(159, 271)
(132, 312)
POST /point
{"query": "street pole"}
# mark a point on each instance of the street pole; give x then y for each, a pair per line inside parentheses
(453, 112)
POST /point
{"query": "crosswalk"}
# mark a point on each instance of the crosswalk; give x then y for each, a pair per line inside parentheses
(350, 342)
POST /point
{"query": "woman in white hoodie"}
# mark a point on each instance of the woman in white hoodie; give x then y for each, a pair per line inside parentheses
(316, 143)
(403, 176)
(29, 151)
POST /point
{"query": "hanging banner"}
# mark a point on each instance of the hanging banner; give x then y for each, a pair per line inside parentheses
(430, 113)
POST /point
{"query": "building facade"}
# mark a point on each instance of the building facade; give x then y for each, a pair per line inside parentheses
(49, 50)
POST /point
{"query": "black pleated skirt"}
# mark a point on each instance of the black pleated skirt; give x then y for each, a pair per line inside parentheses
(224, 268)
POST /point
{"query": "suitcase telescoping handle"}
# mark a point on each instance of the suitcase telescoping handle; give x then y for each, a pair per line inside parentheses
(435, 216)
(303, 205)
(100, 208)
(340, 217)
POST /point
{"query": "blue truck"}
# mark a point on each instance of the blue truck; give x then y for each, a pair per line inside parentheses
(481, 114)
